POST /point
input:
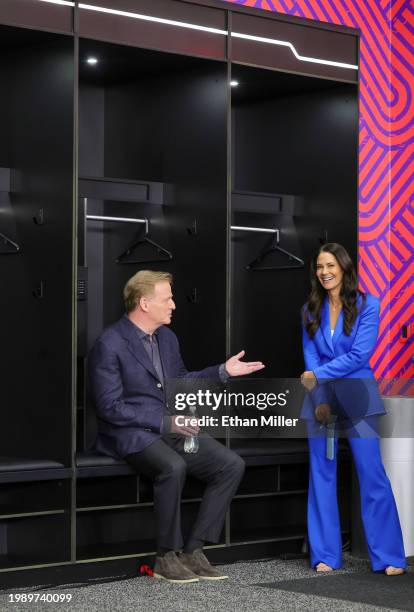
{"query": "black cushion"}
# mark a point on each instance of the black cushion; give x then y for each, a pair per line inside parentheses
(266, 447)
(256, 452)
(14, 464)
(17, 469)
(90, 464)
(91, 458)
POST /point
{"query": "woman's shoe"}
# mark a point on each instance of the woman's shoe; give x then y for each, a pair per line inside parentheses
(394, 571)
(322, 567)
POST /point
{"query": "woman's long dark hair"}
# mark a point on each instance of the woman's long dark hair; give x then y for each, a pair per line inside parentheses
(349, 291)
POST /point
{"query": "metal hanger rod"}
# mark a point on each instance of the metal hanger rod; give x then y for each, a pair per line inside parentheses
(118, 220)
(261, 230)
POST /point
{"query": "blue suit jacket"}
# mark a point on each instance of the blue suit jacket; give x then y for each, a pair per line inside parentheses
(341, 363)
(128, 396)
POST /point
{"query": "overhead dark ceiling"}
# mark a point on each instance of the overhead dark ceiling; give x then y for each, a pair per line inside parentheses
(257, 84)
(118, 63)
(13, 38)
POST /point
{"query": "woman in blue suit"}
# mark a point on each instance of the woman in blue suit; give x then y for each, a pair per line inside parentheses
(340, 328)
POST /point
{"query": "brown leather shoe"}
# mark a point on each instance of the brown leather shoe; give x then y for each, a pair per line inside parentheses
(170, 568)
(199, 565)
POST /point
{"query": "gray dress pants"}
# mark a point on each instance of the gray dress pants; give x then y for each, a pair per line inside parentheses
(167, 465)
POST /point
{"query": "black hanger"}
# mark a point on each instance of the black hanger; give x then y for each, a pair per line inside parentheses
(123, 258)
(255, 264)
(9, 242)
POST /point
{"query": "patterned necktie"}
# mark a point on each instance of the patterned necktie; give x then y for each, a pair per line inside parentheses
(155, 357)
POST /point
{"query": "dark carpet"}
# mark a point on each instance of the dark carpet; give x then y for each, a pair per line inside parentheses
(371, 588)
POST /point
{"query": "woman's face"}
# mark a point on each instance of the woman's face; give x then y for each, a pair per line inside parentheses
(328, 271)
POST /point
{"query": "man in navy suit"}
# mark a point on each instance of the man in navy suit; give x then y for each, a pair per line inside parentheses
(128, 367)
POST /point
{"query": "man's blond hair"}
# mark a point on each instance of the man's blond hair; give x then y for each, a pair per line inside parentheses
(142, 284)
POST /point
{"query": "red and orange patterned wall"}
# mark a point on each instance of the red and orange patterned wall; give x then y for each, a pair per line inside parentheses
(386, 162)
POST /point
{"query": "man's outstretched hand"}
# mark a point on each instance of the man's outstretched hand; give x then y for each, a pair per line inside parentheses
(236, 367)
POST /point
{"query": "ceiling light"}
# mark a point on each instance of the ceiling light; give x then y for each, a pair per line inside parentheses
(234, 83)
(92, 61)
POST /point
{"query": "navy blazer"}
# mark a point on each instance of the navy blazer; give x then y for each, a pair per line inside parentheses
(335, 359)
(128, 396)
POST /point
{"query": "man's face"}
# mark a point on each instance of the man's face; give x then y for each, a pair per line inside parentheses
(160, 305)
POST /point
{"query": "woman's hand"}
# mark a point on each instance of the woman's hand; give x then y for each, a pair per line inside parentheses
(323, 413)
(308, 380)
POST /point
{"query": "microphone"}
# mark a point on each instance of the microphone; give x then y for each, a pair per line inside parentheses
(330, 437)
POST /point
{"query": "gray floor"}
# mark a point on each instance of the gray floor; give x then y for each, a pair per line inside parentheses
(240, 593)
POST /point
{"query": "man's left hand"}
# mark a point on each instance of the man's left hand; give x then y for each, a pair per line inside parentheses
(236, 367)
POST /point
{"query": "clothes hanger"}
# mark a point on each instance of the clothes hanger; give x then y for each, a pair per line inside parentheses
(162, 253)
(122, 259)
(8, 241)
(255, 266)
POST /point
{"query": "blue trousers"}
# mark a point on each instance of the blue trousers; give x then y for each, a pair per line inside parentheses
(379, 512)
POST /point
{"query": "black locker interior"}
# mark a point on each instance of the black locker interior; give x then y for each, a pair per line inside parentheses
(36, 124)
(157, 117)
(294, 160)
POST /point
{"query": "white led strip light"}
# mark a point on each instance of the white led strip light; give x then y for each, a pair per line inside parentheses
(61, 2)
(302, 58)
(192, 26)
(179, 24)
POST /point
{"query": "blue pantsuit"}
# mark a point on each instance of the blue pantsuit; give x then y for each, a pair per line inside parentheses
(378, 509)
(332, 359)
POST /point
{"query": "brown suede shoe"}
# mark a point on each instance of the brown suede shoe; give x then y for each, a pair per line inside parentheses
(199, 565)
(170, 568)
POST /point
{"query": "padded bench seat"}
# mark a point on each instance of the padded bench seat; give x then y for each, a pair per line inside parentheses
(14, 469)
(271, 451)
(275, 451)
(268, 446)
(255, 452)
(90, 464)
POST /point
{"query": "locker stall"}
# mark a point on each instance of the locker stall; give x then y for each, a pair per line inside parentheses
(152, 150)
(36, 212)
(294, 186)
